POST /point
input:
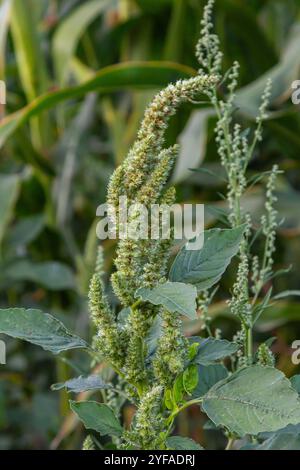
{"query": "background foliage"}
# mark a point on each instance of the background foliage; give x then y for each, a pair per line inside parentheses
(79, 75)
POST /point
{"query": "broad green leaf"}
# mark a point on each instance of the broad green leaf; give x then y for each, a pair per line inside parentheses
(70, 30)
(82, 384)
(295, 381)
(205, 267)
(287, 441)
(38, 328)
(174, 296)
(9, 190)
(51, 275)
(253, 400)
(98, 417)
(26, 230)
(131, 75)
(290, 429)
(192, 145)
(190, 378)
(211, 350)
(182, 443)
(208, 376)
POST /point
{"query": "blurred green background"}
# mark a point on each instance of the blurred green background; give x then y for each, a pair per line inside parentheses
(78, 76)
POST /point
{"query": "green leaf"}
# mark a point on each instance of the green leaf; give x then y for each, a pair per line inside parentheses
(205, 267)
(153, 335)
(4, 23)
(168, 400)
(287, 441)
(295, 381)
(131, 75)
(31, 63)
(69, 31)
(174, 296)
(98, 417)
(178, 389)
(27, 46)
(51, 275)
(248, 99)
(182, 443)
(82, 384)
(38, 328)
(211, 350)
(287, 293)
(192, 145)
(208, 376)
(26, 230)
(190, 378)
(9, 190)
(290, 429)
(253, 400)
(193, 349)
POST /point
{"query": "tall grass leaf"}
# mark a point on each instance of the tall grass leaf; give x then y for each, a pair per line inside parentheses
(30, 60)
(248, 99)
(68, 34)
(4, 23)
(9, 190)
(131, 75)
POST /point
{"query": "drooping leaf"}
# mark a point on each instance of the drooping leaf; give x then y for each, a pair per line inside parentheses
(204, 268)
(253, 400)
(287, 293)
(211, 350)
(82, 384)
(52, 275)
(9, 189)
(38, 328)
(98, 417)
(192, 145)
(248, 99)
(174, 296)
(208, 376)
(69, 31)
(182, 443)
(131, 75)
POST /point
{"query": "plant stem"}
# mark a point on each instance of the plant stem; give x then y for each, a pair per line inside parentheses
(230, 443)
(183, 407)
(249, 345)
